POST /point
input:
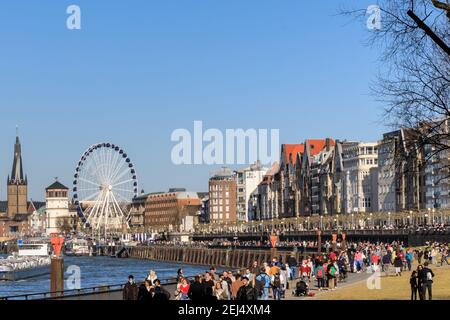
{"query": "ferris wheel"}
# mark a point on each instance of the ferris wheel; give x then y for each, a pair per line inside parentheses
(104, 186)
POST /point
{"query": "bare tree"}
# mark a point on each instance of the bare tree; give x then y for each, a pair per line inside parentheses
(414, 78)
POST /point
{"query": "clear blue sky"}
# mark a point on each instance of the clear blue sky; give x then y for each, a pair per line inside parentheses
(137, 70)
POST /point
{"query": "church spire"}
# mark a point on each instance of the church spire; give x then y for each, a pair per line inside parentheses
(17, 175)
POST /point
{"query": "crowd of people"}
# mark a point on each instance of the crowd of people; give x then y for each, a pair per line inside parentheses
(283, 228)
(314, 273)
(301, 246)
(150, 290)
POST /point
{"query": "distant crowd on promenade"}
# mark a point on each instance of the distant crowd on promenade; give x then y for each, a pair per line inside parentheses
(223, 243)
(278, 279)
(281, 229)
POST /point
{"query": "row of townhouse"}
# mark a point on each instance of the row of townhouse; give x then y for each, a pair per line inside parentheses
(328, 177)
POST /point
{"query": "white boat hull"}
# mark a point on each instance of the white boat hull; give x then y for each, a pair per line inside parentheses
(23, 274)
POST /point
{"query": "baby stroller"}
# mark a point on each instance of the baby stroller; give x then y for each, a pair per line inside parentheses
(301, 289)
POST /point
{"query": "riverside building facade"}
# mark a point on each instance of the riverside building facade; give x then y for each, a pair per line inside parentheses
(222, 196)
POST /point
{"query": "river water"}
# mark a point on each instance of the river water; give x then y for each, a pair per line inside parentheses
(97, 271)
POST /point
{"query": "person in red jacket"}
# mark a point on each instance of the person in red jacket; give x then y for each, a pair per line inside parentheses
(305, 270)
(375, 262)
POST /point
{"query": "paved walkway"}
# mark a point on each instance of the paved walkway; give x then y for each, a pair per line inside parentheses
(353, 278)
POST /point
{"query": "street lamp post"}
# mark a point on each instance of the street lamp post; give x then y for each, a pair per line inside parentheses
(353, 221)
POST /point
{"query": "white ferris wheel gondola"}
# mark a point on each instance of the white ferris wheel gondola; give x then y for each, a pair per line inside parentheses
(104, 186)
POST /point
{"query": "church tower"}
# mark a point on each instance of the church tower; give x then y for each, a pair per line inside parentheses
(17, 185)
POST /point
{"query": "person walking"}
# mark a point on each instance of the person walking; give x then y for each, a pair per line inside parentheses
(359, 261)
(226, 286)
(331, 275)
(208, 281)
(237, 285)
(427, 282)
(145, 291)
(152, 277)
(276, 286)
(375, 262)
(444, 257)
(386, 261)
(293, 264)
(196, 290)
(398, 265)
(247, 274)
(420, 256)
(284, 277)
(419, 281)
(409, 259)
(275, 268)
(159, 293)
(219, 293)
(214, 275)
(262, 285)
(130, 290)
(426, 255)
(254, 269)
(320, 276)
(180, 275)
(305, 271)
(183, 290)
(433, 256)
(414, 282)
(247, 292)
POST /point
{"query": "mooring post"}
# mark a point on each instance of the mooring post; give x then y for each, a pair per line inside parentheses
(57, 276)
(57, 267)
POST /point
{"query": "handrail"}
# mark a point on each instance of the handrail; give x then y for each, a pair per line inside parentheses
(79, 292)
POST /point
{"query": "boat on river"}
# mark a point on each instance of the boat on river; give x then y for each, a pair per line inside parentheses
(32, 260)
(77, 248)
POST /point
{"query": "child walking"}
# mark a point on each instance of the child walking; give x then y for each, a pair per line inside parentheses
(413, 281)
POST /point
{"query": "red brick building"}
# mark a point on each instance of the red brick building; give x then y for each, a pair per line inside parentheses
(166, 211)
(222, 197)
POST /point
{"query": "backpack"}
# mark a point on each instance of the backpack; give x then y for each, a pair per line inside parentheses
(260, 283)
(320, 273)
(332, 271)
(277, 282)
